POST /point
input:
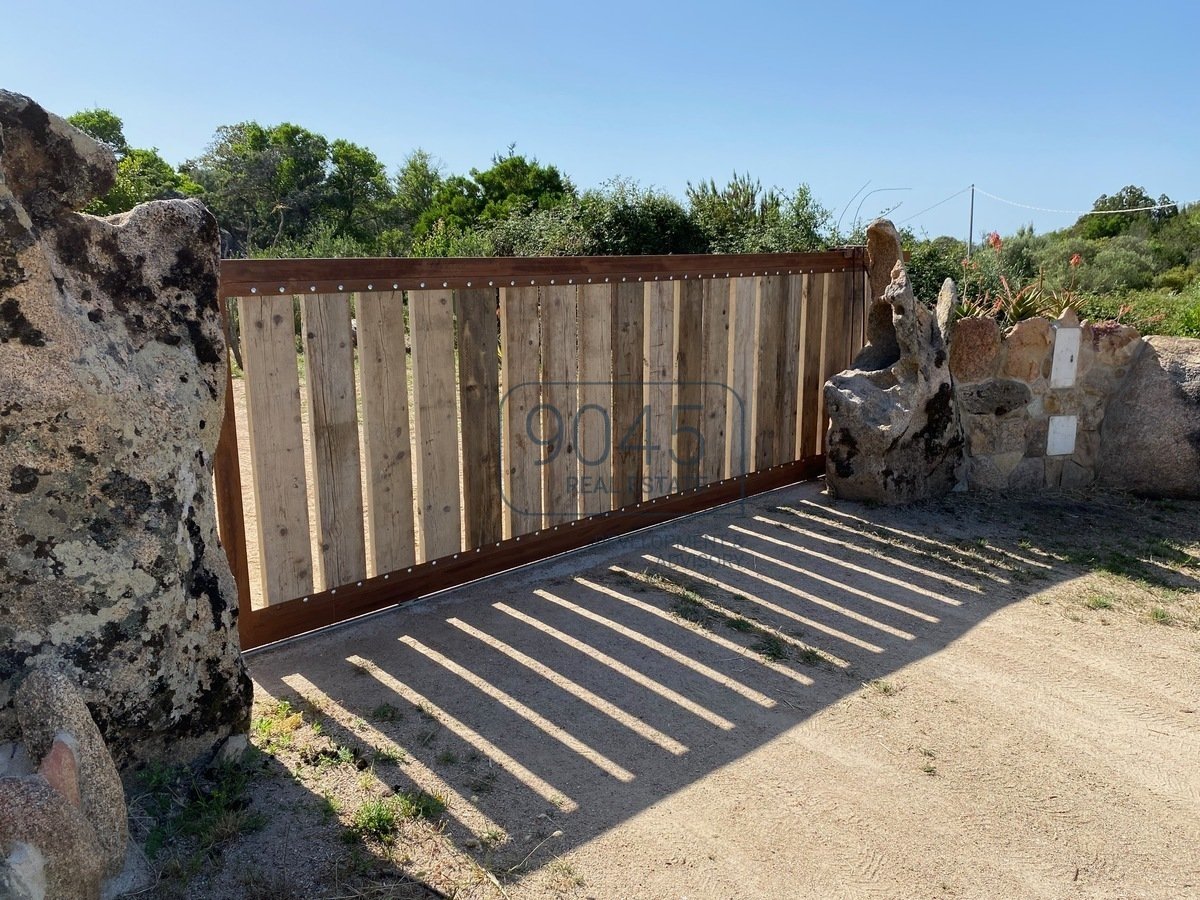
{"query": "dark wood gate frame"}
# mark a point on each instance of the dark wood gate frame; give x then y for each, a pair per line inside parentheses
(301, 276)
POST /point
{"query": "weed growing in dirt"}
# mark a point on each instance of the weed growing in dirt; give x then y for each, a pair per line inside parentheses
(385, 712)
(882, 687)
(1098, 601)
(770, 647)
(1160, 616)
(195, 814)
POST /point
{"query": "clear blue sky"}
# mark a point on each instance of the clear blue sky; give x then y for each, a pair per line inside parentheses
(1045, 103)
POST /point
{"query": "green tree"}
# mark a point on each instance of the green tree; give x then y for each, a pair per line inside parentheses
(742, 217)
(512, 183)
(358, 191)
(104, 125)
(263, 183)
(1119, 220)
(143, 175)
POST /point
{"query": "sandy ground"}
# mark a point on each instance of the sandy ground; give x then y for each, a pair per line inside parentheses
(782, 698)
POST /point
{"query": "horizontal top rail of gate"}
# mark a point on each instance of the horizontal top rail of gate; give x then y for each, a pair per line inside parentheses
(242, 277)
(412, 424)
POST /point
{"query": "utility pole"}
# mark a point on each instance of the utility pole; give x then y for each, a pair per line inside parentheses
(971, 224)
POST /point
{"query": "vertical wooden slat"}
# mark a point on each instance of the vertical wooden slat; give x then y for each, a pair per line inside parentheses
(860, 308)
(660, 395)
(594, 435)
(809, 441)
(431, 321)
(688, 416)
(789, 366)
(769, 414)
(832, 345)
(521, 355)
(743, 369)
(333, 437)
(849, 302)
(715, 397)
(559, 386)
(628, 330)
(276, 447)
(387, 443)
(227, 474)
(479, 391)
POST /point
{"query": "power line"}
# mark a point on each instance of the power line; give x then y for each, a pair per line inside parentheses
(1079, 212)
(936, 205)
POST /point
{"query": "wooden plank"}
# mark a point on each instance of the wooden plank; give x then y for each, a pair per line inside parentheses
(859, 312)
(479, 395)
(789, 382)
(832, 344)
(435, 455)
(227, 479)
(305, 276)
(743, 376)
(769, 412)
(333, 437)
(285, 620)
(715, 397)
(661, 324)
(387, 442)
(559, 405)
(276, 447)
(810, 432)
(628, 333)
(689, 411)
(594, 435)
(850, 302)
(520, 398)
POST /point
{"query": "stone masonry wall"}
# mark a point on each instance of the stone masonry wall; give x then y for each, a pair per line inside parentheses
(1032, 401)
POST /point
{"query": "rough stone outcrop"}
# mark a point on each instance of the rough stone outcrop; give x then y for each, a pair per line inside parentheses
(894, 435)
(1150, 438)
(883, 253)
(63, 828)
(111, 392)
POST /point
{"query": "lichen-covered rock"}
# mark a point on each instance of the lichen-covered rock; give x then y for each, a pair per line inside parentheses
(111, 392)
(894, 435)
(1150, 436)
(947, 303)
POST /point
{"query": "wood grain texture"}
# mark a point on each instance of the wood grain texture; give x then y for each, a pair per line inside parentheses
(227, 479)
(560, 347)
(715, 398)
(594, 432)
(743, 376)
(521, 395)
(276, 447)
(242, 277)
(479, 398)
(688, 417)
(810, 433)
(833, 344)
(661, 324)
(628, 337)
(790, 365)
(333, 437)
(435, 456)
(387, 441)
(769, 402)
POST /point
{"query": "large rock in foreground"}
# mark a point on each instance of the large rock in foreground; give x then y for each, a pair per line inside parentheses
(1150, 439)
(894, 435)
(111, 395)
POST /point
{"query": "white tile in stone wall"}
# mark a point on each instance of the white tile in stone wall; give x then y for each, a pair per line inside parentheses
(1066, 356)
(1060, 438)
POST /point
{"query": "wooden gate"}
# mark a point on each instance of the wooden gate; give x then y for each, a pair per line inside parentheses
(406, 425)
